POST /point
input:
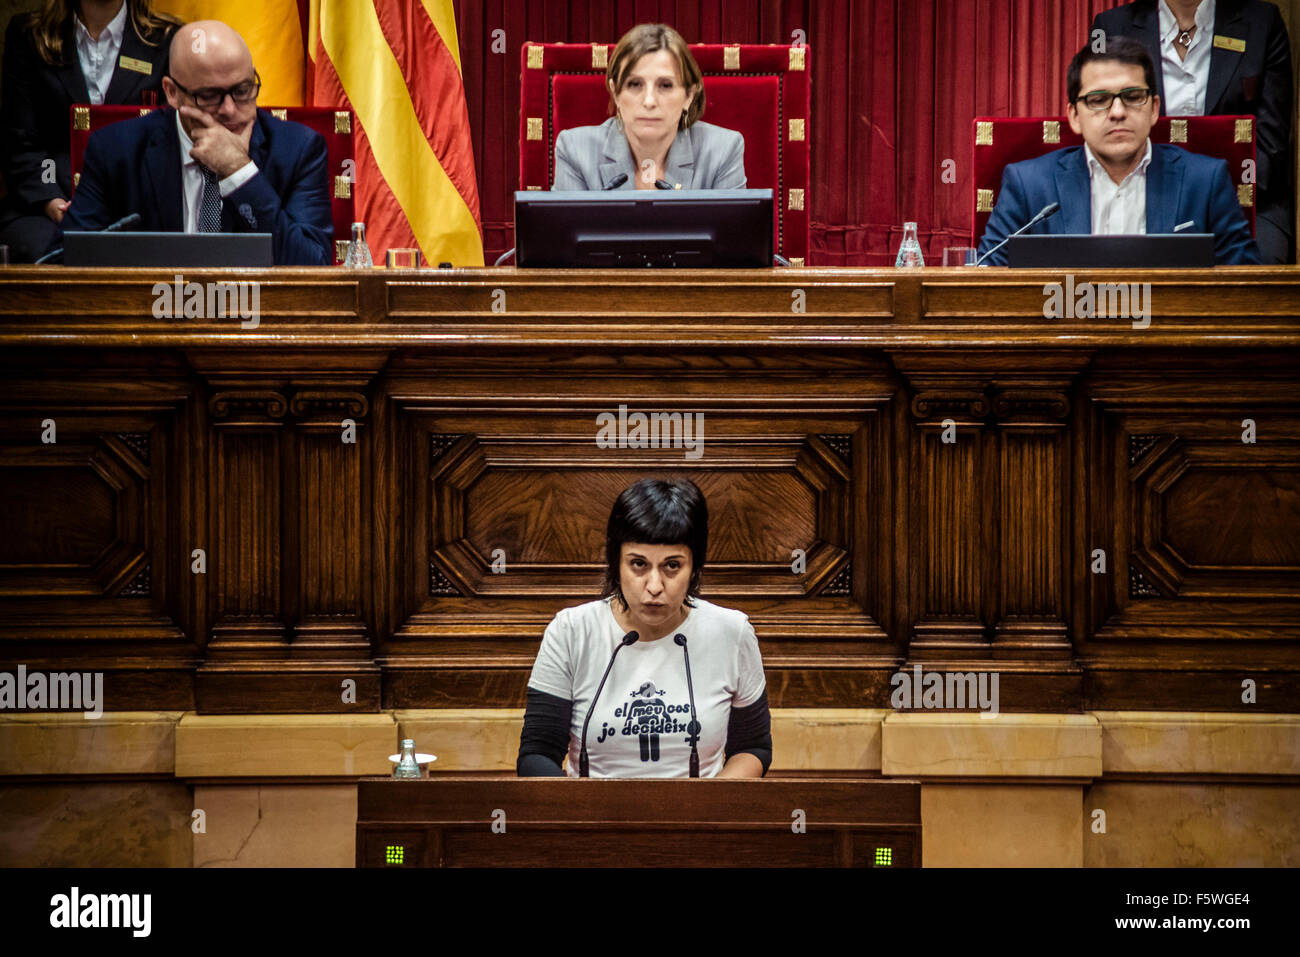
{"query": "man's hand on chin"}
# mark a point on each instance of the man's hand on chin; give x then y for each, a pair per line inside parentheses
(216, 147)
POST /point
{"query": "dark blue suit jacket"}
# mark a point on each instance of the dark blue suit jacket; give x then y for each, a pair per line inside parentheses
(135, 167)
(1181, 187)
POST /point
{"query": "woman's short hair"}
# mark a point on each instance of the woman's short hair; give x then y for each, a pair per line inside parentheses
(657, 512)
(650, 38)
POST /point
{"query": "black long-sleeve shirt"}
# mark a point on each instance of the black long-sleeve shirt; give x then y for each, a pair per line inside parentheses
(544, 740)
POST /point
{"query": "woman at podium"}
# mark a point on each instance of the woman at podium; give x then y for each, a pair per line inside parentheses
(655, 139)
(650, 680)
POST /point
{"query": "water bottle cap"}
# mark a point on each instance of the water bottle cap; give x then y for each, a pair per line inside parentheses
(408, 742)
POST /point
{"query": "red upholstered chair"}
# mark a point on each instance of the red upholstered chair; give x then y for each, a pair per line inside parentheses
(1002, 141)
(760, 91)
(334, 125)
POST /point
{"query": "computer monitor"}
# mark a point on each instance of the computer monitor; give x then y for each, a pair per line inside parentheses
(688, 228)
(1138, 251)
(167, 249)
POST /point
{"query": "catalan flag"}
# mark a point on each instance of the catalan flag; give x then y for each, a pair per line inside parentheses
(273, 31)
(396, 65)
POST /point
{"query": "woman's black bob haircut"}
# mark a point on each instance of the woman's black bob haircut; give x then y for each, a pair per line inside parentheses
(657, 512)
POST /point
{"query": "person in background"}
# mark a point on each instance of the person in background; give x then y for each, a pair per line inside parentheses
(655, 545)
(1119, 182)
(71, 51)
(655, 139)
(1227, 57)
(213, 162)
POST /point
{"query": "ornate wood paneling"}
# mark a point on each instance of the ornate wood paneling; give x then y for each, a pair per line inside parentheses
(901, 467)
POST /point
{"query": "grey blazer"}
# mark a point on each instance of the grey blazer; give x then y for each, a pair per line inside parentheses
(703, 156)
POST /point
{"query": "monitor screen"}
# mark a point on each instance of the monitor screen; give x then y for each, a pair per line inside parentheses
(704, 228)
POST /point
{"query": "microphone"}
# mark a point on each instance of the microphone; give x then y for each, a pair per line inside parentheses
(617, 181)
(504, 256)
(131, 219)
(692, 729)
(629, 639)
(663, 184)
(1048, 210)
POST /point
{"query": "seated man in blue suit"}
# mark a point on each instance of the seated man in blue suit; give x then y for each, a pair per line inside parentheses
(1119, 182)
(212, 163)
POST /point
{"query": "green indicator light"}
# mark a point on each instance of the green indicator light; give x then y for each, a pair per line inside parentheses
(884, 856)
(396, 854)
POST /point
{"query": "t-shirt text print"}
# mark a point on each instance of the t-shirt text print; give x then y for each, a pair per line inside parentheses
(639, 728)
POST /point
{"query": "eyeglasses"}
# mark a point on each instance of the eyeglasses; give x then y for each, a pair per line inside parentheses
(210, 97)
(1100, 100)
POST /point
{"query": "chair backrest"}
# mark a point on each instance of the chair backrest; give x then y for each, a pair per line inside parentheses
(999, 141)
(760, 91)
(334, 125)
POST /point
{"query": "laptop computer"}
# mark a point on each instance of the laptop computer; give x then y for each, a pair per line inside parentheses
(167, 249)
(1138, 251)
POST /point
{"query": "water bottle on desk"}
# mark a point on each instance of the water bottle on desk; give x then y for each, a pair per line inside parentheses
(358, 251)
(909, 252)
(407, 766)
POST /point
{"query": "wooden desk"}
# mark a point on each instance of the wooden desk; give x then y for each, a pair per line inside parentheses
(550, 822)
(1096, 529)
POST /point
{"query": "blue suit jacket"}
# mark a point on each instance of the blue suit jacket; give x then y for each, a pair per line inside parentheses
(1182, 187)
(135, 167)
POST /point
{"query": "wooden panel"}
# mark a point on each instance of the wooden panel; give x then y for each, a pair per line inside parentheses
(474, 396)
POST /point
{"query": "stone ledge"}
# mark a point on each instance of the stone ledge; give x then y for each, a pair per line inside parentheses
(1008, 745)
(118, 742)
(1180, 742)
(291, 745)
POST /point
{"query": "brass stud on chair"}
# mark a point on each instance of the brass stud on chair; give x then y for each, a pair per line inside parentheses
(1243, 130)
(599, 56)
(76, 180)
(340, 250)
(280, 113)
(731, 58)
(146, 110)
(796, 60)
(1246, 194)
(1178, 131)
(342, 121)
(535, 56)
(796, 199)
(796, 131)
(81, 118)
(983, 200)
(983, 133)
(342, 187)
(1051, 131)
(796, 260)
(534, 128)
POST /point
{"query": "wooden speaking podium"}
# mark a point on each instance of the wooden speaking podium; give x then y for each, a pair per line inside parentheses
(484, 821)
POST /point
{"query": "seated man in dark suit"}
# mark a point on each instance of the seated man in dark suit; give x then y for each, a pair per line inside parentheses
(212, 163)
(1119, 182)
(1226, 58)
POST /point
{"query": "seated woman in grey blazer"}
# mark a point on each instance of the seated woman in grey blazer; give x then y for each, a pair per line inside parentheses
(655, 139)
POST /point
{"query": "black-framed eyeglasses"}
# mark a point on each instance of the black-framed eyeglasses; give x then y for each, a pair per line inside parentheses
(1100, 100)
(210, 96)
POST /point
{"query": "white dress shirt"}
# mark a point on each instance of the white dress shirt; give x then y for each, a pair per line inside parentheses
(98, 58)
(1118, 208)
(192, 181)
(1185, 80)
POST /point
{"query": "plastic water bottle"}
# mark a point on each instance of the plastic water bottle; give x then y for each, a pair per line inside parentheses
(909, 251)
(358, 251)
(407, 766)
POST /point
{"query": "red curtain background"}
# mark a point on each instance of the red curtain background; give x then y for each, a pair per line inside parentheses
(895, 84)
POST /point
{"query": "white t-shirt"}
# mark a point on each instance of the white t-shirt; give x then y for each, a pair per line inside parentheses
(639, 727)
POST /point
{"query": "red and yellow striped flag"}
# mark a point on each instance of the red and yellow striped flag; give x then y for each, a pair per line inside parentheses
(396, 64)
